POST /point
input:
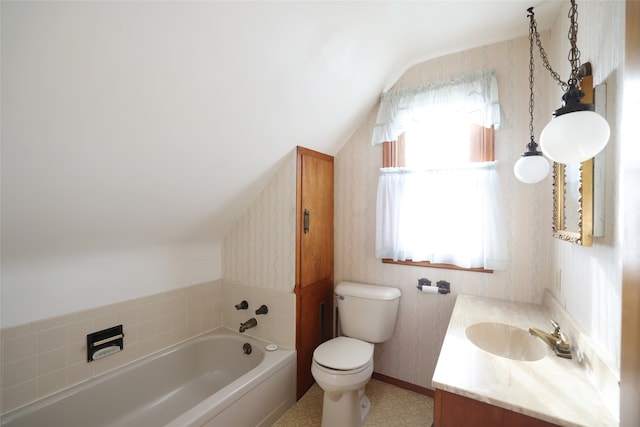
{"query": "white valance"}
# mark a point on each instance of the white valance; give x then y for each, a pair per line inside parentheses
(476, 95)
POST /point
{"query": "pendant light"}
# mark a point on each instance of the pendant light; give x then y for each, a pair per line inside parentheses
(576, 133)
(532, 167)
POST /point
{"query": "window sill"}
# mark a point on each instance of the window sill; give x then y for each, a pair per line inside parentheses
(428, 264)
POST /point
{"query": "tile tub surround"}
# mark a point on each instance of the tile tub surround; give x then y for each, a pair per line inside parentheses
(277, 326)
(46, 356)
(553, 389)
(203, 381)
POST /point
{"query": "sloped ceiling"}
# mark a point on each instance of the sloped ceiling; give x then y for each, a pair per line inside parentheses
(128, 124)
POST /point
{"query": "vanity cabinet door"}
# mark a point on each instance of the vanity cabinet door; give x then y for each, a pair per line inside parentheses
(452, 410)
(520, 420)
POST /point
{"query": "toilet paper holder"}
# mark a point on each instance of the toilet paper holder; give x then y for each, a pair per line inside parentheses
(442, 286)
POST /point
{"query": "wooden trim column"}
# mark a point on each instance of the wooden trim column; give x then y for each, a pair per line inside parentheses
(630, 205)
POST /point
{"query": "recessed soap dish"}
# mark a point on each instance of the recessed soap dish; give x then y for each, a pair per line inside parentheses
(104, 343)
(105, 352)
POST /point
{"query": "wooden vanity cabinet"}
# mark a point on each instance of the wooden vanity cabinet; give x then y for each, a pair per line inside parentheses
(452, 410)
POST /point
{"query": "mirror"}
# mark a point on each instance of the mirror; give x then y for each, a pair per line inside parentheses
(573, 190)
(573, 202)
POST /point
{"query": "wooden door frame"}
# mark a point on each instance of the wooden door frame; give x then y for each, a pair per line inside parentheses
(630, 205)
(308, 290)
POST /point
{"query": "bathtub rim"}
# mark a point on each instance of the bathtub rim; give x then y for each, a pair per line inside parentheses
(272, 361)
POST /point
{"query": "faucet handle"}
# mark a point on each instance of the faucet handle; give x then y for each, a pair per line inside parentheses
(562, 343)
(242, 306)
(563, 347)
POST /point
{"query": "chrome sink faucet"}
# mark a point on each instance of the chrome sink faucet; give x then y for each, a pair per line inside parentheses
(556, 340)
(251, 323)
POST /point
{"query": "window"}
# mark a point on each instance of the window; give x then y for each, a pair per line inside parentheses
(475, 144)
(438, 192)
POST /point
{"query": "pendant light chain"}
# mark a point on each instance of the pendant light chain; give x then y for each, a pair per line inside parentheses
(576, 133)
(532, 167)
(532, 33)
(574, 53)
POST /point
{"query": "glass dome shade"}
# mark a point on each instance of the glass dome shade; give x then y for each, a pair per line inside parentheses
(574, 137)
(531, 169)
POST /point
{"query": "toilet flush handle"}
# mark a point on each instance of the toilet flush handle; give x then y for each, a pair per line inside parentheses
(340, 297)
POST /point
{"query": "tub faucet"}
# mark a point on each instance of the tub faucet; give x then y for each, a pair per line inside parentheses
(556, 340)
(251, 323)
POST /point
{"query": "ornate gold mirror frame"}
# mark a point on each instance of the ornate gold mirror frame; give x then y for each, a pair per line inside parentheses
(573, 189)
(576, 205)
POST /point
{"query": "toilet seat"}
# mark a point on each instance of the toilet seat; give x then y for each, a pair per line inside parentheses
(343, 354)
(336, 373)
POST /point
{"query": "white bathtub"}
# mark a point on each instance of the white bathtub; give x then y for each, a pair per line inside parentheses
(207, 381)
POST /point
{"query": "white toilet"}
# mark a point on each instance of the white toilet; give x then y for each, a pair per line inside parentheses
(343, 366)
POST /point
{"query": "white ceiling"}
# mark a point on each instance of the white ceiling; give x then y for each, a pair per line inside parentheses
(150, 123)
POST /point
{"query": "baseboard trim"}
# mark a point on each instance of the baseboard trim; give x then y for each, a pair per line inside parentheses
(403, 384)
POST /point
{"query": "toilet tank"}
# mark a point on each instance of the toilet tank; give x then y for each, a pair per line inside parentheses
(367, 312)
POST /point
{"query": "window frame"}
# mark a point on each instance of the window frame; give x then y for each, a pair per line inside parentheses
(481, 149)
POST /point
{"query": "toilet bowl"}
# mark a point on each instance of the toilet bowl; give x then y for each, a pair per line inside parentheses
(342, 367)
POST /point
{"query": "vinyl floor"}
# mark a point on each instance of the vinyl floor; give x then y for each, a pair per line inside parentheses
(390, 406)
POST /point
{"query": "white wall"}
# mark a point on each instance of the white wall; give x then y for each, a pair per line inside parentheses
(35, 289)
(101, 117)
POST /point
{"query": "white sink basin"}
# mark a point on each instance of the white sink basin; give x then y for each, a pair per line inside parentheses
(507, 341)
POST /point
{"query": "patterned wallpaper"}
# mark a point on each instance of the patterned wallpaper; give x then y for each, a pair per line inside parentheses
(412, 353)
(592, 277)
(260, 249)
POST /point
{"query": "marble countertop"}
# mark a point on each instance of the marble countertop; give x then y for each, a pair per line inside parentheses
(553, 389)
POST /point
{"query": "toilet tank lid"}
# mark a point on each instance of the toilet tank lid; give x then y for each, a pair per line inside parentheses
(361, 290)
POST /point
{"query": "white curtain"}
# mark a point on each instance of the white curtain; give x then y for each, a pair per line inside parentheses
(443, 214)
(451, 216)
(475, 95)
